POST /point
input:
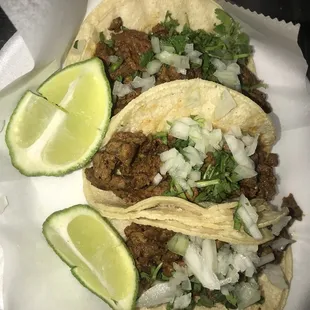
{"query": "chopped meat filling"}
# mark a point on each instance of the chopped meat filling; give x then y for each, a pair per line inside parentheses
(148, 246)
(116, 25)
(294, 209)
(264, 184)
(128, 165)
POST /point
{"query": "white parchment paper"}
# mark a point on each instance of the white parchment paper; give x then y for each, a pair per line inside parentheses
(36, 279)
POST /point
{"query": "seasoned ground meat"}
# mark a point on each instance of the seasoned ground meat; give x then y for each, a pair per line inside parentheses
(167, 74)
(194, 73)
(160, 31)
(103, 52)
(121, 102)
(130, 45)
(264, 184)
(148, 246)
(128, 165)
(248, 79)
(294, 210)
(116, 24)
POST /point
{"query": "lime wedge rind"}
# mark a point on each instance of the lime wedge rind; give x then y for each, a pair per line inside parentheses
(57, 223)
(33, 162)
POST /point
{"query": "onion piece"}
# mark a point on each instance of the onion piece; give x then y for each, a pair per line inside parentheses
(250, 225)
(228, 78)
(235, 131)
(113, 59)
(189, 47)
(168, 165)
(247, 293)
(153, 66)
(2, 124)
(277, 227)
(188, 121)
(179, 130)
(247, 140)
(195, 175)
(281, 243)
(178, 61)
(250, 149)
(275, 276)
(145, 83)
(193, 156)
(233, 67)
(182, 71)
(247, 205)
(3, 203)
(172, 153)
(244, 172)
(200, 267)
(218, 64)
(121, 90)
(155, 45)
(186, 285)
(157, 179)
(237, 149)
(182, 302)
(168, 48)
(266, 259)
(224, 106)
(158, 294)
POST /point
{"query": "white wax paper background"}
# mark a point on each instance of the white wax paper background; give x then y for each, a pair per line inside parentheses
(36, 279)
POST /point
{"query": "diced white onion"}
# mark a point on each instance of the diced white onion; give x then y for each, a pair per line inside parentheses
(182, 302)
(113, 59)
(244, 172)
(188, 121)
(195, 258)
(277, 227)
(172, 153)
(194, 55)
(250, 149)
(158, 294)
(214, 138)
(186, 285)
(233, 67)
(145, 83)
(266, 259)
(225, 104)
(182, 71)
(247, 140)
(153, 66)
(275, 276)
(189, 47)
(179, 130)
(155, 45)
(247, 205)
(168, 48)
(157, 179)
(244, 264)
(195, 175)
(197, 61)
(2, 124)
(168, 165)
(193, 156)
(3, 203)
(218, 64)
(281, 243)
(237, 149)
(178, 61)
(236, 131)
(248, 222)
(121, 90)
(145, 75)
(247, 293)
(228, 78)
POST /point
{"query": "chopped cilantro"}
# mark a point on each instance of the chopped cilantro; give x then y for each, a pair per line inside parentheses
(114, 66)
(154, 272)
(169, 306)
(262, 300)
(119, 78)
(197, 287)
(232, 299)
(180, 144)
(146, 58)
(178, 42)
(102, 38)
(170, 24)
(76, 44)
(205, 301)
(144, 275)
(163, 136)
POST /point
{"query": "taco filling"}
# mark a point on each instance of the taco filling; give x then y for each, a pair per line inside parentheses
(185, 271)
(136, 61)
(192, 161)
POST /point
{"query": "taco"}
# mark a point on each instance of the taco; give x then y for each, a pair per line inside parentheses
(181, 271)
(147, 43)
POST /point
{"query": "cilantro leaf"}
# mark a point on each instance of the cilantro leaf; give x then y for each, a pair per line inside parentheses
(170, 24)
(232, 299)
(146, 58)
(237, 219)
(178, 42)
(109, 43)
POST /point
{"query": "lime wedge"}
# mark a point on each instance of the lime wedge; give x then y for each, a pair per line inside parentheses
(96, 254)
(60, 129)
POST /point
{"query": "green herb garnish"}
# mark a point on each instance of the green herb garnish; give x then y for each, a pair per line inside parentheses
(232, 299)
(146, 58)
(114, 66)
(178, 42)
(109, 43)
(75, 45)
(119, 78)
(163, 136)
(170, 24)
(205, 301)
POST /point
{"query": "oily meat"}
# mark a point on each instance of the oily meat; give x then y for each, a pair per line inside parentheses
(128, 165)
(103, 51)
(116, 24)
(264, 185)
(148, 246)
(294, 209)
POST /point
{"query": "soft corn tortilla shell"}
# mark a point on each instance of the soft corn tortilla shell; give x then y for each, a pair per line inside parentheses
(150, 112)
(141, 15)
(275, 298)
